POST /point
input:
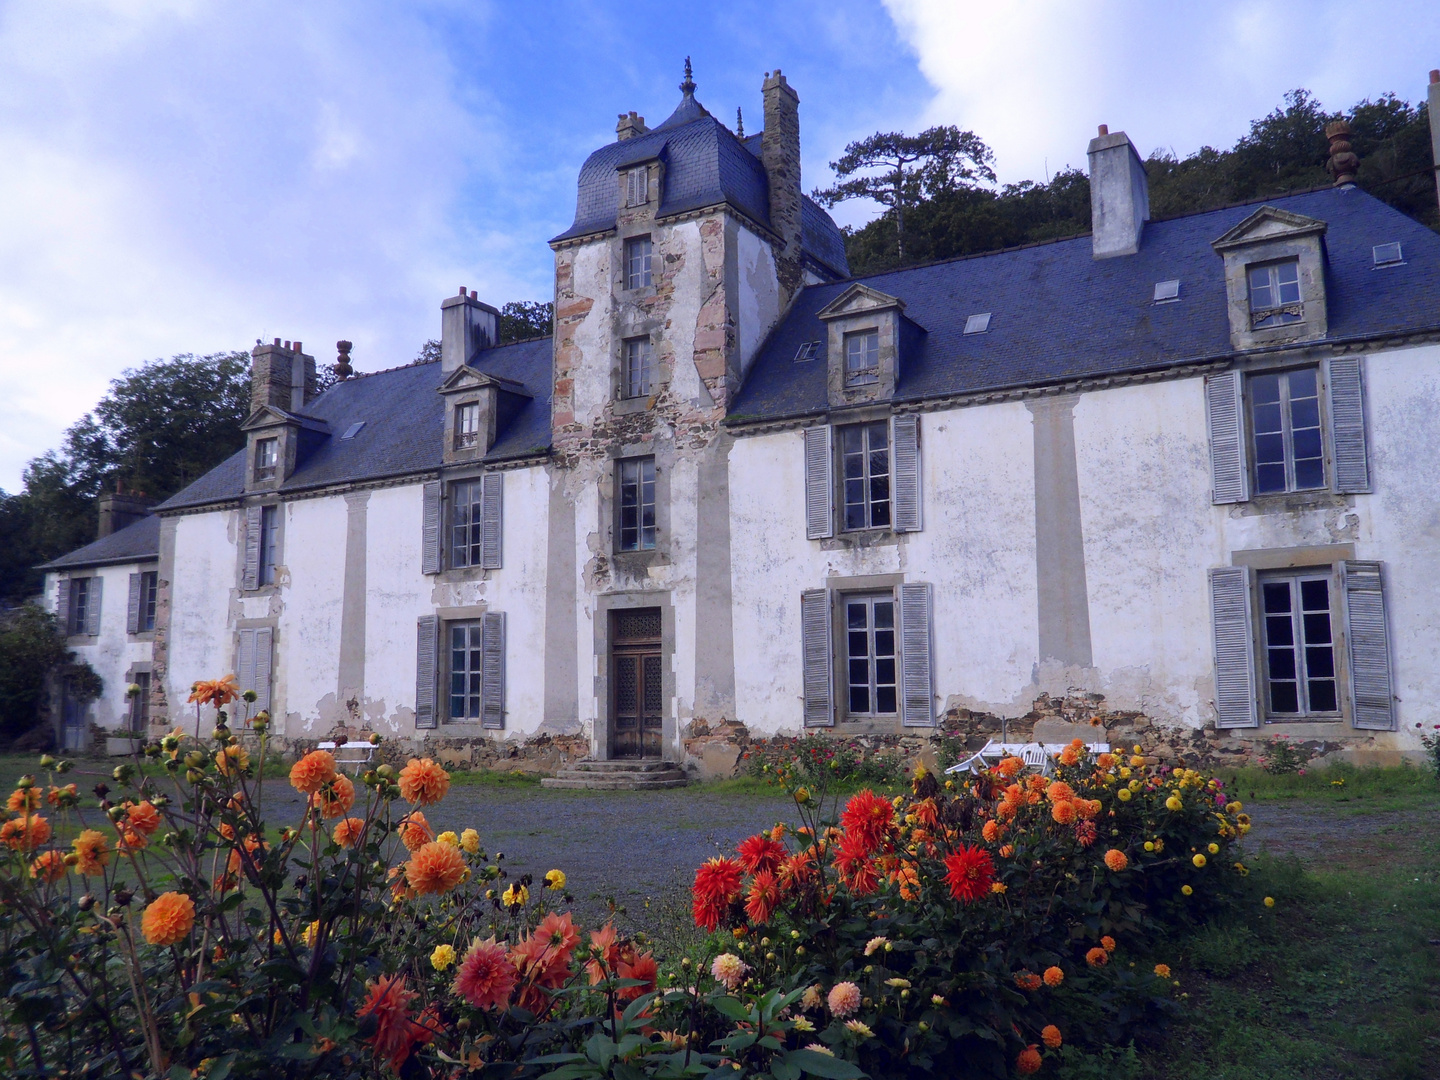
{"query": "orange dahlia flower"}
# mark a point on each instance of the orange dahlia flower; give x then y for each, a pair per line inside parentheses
(1028, 1062)
(93, 851)
(142, 818)
(23, 799)
(49, 866)
(415, 831)
(168, 919)
(764, 895)
(1060, 791)
(1116, 860)
(435, 868)
(217, 692)
(312, 772)
(1050, 1035)
(422, 782)
(1064, 812)
(1009, 767)
(348, 831)
(25, 833)
(1087, 808)
(63, 796)
(1069, 756)
(1054, 976)
(486, 976)
(991, 831)
(396, 1033)
(1162, 970)
(234, 758)
(335, 797)
(1097, 957)
(1027, 980)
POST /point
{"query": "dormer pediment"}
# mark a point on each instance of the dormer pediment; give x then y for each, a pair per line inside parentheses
(466, 378)
(1267, 224)
(860, 299)
(269, 416)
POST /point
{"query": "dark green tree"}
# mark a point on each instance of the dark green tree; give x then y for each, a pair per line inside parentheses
(521, 320)
(32, 648)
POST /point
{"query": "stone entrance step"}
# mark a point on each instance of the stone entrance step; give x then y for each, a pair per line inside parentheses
(634, 774)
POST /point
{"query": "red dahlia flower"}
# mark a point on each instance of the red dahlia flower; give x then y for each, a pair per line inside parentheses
(868, 818)
(717, 883)
(969, 873)
(759, 852)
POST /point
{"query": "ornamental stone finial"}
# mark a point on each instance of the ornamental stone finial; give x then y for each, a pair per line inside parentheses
(688, 86)
(739, 124)
(343, 370)
(1344, 162)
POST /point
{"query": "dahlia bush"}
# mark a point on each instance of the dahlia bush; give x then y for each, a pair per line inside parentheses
(976, 925)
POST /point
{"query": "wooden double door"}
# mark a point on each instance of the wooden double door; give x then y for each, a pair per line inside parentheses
(636, 683)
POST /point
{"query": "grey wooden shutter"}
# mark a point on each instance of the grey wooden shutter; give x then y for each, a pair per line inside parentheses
(254, 516)
(62, 605)
(427, 633)
(1230, 619)
(819, 485)
(132, 611)
(264, 660)
(907, 473)
(1225, 413)
(245, 664)
(816, 652)
(916, 673)
(430, 528)
(492, 669)
(1368, 641)
(1347, 426)
(492, 489)
(92, 606)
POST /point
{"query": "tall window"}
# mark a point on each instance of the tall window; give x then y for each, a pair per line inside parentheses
(1275, 294)
(466, 534)
(870, 654)
(638, 377)
(465, 670)
(862, 358)
(1299, 644)
(149, 582)
(267, 458)
(467, 425)
(1285, 418)
(637, 186)
(269, 543)
(79, 605)
(637, 263)
(140, 704)
(865, 472)
(635, 478)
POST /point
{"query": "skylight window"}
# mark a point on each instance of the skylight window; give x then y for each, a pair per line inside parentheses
(807, 351)
(353, 429)
(1166, 291)
(1387, 254)
(978, 324)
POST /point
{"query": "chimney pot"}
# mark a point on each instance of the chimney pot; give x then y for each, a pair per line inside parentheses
(277, 341)
(297, 347)
(1119, 195)
(1435, 75)
(1104, 129)
(472, 295)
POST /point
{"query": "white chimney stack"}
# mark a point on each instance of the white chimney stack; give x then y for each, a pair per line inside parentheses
(466, 327)
(1119, 195)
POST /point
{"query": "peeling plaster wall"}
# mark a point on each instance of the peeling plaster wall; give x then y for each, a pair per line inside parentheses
(307, 637)
(203, 589)
(758, 294)
(397, 594)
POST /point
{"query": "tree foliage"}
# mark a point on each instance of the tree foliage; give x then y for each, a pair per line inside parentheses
(520, 320)
(31, 648)
(1284, 151)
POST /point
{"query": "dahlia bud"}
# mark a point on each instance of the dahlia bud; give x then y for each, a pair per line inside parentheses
(46, 761)
(86, 902)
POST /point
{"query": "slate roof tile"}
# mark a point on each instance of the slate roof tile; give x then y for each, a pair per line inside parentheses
(136, 542)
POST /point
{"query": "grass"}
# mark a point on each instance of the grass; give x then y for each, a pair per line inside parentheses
(1340, 785)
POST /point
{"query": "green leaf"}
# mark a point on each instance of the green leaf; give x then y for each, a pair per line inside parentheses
(817, 1064)
(729, 1007)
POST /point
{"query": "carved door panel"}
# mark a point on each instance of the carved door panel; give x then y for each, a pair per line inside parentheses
(637, 684)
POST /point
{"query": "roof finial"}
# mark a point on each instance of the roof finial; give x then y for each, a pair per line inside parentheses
(739, 124)
(688, 86)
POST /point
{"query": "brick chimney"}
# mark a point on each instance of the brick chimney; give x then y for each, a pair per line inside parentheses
(1119, 195)
(780, 154)
(118, 510)
(466, 327)
(281, 376)
(1434, 103)
(630, 126)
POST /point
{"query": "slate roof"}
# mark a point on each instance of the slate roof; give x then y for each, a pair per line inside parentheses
(1058, 314)
(404, 416)
(705, 164)
(137, 542)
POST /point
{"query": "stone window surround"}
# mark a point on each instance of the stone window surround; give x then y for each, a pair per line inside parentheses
(1322, 558)
(631, 323)
(287, 449)
(79, 638)
(840, 587)
(862, 538)
(282, 572)
(1295, 237)
(148, 635)
(637, 562)
(655, 169)
(448, 615)
(1322, 389)
(605, 603)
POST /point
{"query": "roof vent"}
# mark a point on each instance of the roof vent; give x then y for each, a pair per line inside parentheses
(353, 429)
(807, 351)
(1387, 254)
(978, 324)
(1166, 291)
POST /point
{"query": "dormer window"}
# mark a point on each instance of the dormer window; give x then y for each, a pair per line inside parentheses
(637, 263)
(467, 425)
(862, 358)
(637, 186)
(1275, 294)
(267, 458)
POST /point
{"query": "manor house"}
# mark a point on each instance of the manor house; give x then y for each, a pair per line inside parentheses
(1186, 464)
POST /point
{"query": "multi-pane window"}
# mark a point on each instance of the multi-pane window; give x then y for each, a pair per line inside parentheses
(865, 474)
(140, 704)
(269, 543)
(862, 358)
(638, 373)
(870, 654)
(145, 619)
(1285, 418)
(637, 186)
(466, 533)
(466, 674)
(267, 458)
(79, 605)
(1299, 645)
(467, 425)
(1275, 294)
(637, 263)
(635, 480)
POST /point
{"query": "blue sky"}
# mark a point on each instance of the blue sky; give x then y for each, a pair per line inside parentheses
(182, 176)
